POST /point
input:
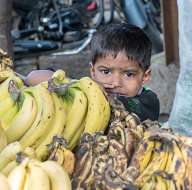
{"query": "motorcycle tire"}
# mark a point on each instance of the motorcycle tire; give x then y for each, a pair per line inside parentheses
(156, 39)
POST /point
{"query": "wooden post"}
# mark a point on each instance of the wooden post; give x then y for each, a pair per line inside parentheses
(170, 29)
(5, 26)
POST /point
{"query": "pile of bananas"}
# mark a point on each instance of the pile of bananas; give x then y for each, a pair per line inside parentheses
(33, 115)
(32, 174)
(45, 121)
(53, 135)
(133, 155)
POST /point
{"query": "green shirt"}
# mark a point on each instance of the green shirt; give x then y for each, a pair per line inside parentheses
(145, 105)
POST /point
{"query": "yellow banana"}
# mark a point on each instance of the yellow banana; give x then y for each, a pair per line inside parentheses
(98, 114)
(177, 167)
(59, 77)
(160, 183)
(143, 154)
(44, 117)
(150, 184)
(56, 129)
(62, 155)
(186, 150)
(4, 184)
(158, 163)
(9, 167)
(18, 176)
(3, 139)
(76, 113)
(58, 176)
(9, 116)
(6, 105)
(75, 139)
(5, 75)
(9, 153)
(36, 178)
(23, 119)
(27, 152)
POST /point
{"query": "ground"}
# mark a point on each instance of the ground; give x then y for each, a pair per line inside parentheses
(163, 80)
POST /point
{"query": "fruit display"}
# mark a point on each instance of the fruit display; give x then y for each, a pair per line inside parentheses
(133, 155)
(65, 134)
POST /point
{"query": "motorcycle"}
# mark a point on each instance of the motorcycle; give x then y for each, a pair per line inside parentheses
(67, 26)
(52, 25)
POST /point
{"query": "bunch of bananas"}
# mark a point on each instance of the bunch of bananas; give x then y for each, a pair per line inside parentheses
(102, 160)
(60, 154)
(31, 116)
(163, 160)
(133, 155)
(35, 114)
(32, 174)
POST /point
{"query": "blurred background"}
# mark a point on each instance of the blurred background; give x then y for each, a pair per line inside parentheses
(53, 34)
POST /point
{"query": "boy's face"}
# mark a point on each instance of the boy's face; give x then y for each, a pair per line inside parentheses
(119, 75)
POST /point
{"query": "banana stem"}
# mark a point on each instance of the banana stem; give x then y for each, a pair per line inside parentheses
(59, 89)
(14, 90)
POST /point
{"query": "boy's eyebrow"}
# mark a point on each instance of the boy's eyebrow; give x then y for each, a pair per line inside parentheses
(123, 70)
(103, 67)
(129, 70)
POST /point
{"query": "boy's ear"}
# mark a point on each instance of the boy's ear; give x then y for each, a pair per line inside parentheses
(147, 76)
(91, 68)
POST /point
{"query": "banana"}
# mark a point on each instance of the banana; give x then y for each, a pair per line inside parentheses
(4, 184)
(58, 125)
(132, 120)
(37, 178)
(59, 77)
(9, 101)
(3, 139)
(44, 117)
(27, 152)
(9, 153)
(58, 176)
(158, 163)
(62, 155)
(150, 184)
(6, 105)
(24, 117)
(98, 114)
(18, 176)
(76, 113)
(7, 118)
(9, 167)
(5, 75)
(178, 167)
(160, 183)
(74, 141)
(5, 61)
(143, 154)
(187, 155)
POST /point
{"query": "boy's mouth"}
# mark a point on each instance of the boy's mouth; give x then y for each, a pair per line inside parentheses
(114, 93)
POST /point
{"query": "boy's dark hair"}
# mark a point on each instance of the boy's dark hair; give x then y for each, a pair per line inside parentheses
(122, 37)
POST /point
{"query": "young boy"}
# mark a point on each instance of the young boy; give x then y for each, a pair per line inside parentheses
(121, 56)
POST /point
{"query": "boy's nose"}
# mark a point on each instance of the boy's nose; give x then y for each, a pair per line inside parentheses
(117, 82)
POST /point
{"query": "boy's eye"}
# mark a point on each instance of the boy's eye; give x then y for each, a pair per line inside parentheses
(129, 74)
(105, 71)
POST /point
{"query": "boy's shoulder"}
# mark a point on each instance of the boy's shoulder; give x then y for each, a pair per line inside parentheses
(146, 105)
